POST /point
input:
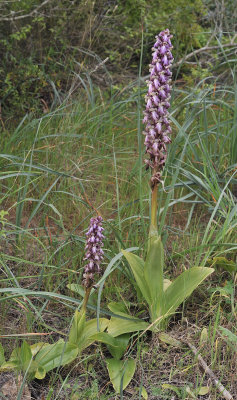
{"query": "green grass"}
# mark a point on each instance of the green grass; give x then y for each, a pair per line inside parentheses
(86, 156)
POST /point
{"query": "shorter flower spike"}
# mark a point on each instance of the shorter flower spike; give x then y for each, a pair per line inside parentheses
(157, 103)
(93, 251)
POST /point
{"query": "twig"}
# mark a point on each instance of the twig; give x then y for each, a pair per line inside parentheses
(208, 371)
(13, 17)
(205, 48)
(99, 65)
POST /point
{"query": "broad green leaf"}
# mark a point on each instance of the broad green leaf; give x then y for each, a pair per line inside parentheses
(77, 327)
(9, 366)
(120, 309)
(15, 355)
(14, 361)
(40, 373)
(118, 326)
(182, 287)
(117, 308)
(105, 338)
(91, 326)
(153, 273)
(91, 329)
(37, 347)
(55, 355)
(120, 370)
(48, 356)
(25, 355)
(79, 289)
(137, 265)
(2, 358)
(121, 346)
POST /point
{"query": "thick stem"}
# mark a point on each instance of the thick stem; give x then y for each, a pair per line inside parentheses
(154, 207)
(153, 232)
(86, 298)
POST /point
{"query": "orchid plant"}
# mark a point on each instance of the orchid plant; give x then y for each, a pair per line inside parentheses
(40, 358)
(162, 296)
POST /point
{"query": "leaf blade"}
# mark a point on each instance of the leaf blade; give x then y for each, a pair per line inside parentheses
(182, 287)
(119, 326)
(120, 370)
(153, 273)
(137, 265)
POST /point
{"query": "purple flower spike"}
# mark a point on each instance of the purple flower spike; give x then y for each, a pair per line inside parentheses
(94, 253)
(156, 117)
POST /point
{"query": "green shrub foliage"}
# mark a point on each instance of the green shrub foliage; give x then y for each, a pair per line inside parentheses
(44, 45)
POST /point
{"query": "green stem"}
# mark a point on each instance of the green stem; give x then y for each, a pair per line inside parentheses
(86, 298)
(154, 207)
(153, 232)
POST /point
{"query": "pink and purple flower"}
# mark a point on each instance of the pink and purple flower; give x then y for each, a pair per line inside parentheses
(94, 253)
(156, 117)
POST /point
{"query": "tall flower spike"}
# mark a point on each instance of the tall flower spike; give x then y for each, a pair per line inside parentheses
(157, 104)
(94, 253)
